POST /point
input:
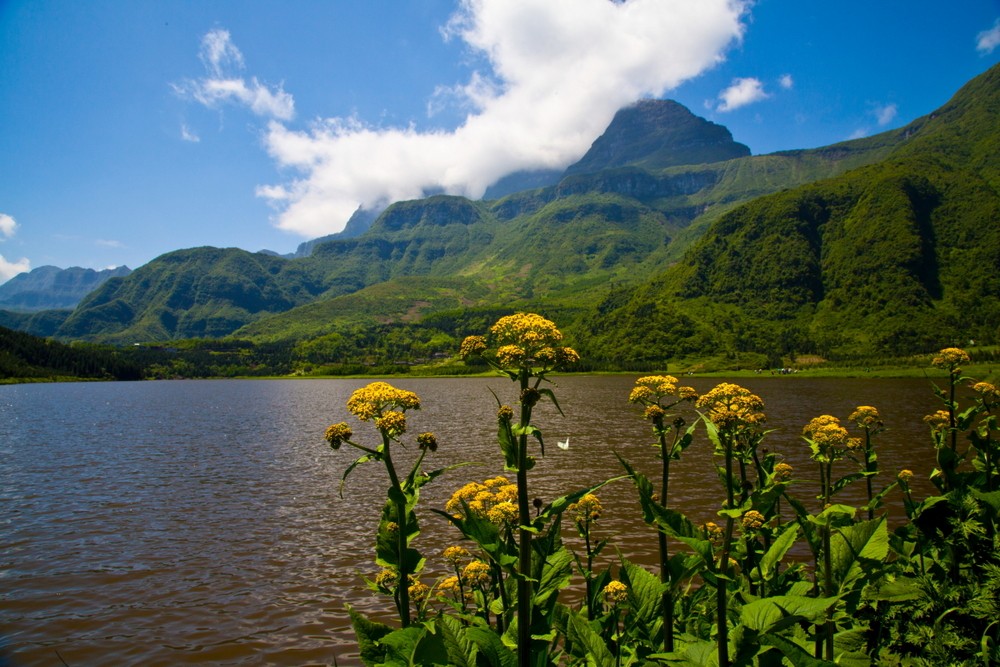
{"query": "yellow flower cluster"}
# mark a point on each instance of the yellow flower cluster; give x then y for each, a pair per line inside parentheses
(503, 514)
(867, 418)
(476, 573)
(713, 531)
(378, 398)
(988, 392)
(456, 554)
(448, 586)
(587, 509)
(387, 580)
(482, 498)
(337, 434)
(827, 434)
(651, 388)
(782, 472)
(392, 423)
(531, 331)
(732, 406)
(752, 520)
(615, 593)
(938, 421)
(951, 358)
(904, 475)
(418, 591)
(472, 346)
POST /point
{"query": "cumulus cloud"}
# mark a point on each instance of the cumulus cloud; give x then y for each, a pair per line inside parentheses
(885, 113)
(555, 72)
(8, 269)
(988, 40)
(223, 84)
(786, 81)
(740, 93)
(7, 226)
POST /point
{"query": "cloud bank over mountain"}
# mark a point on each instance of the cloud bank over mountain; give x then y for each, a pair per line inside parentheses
(552, 74)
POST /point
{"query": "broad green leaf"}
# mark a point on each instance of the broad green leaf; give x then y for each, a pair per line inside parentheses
(556, 575)
(777, 551)
(586, 643)
(369, 633)
(492, 651)
(796, 655)
(461, 650)
(644, 591)
(414, 646)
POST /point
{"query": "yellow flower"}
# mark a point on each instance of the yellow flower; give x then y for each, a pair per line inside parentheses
(828, 436)
(495, 482)
(938, 421)
(476, 573)
(782, 472)
(651, 388)
(588, 508)
(337, 434)
(472, 346)
(369, 402)
(505, 414)
(392, 423)
(615, 593)
(419, 591)
(528, 329)
(713, 531)
(687, 393)
(449, 587)
(732, 406)
(427, 441)
(503, 514)
(654, 413)
(511, 355)
(866, 417)
(752, 520)
(456, 554)
(905, 475)
(951, 358)
(988, 392)
(387, 580)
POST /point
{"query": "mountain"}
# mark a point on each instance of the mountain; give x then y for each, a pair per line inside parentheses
(751, 254)
(888, 259)
(49, 287)
(655, 134)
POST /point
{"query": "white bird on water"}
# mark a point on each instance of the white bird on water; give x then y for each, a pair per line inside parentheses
(563, 444)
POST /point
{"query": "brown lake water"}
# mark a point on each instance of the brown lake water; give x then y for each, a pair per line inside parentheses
(199, 522)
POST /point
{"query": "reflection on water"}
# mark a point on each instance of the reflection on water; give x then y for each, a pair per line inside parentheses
(200, 521)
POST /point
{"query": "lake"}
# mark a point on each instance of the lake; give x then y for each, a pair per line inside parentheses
(184, 522)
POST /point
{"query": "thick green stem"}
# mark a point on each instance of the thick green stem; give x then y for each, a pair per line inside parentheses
(524, 587)
(399, 502)
(721, 592)
(667, 599)
(828, 590)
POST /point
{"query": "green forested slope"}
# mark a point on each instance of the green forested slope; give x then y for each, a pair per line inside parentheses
(892, 258)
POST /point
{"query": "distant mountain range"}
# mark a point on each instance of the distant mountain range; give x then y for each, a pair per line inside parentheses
(666, 238)
(49, 287)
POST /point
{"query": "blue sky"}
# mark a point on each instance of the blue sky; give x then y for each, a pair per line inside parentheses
(130, 128)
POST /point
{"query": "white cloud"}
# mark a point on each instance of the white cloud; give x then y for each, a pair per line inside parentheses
(988, 40)
(557, 70)
(7, 226)
(786, 81)
(10, 269)
(109, 243)
(223, 61)
(742, 92)
(885, 113)
(188, 135)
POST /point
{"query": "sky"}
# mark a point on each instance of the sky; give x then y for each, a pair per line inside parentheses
(131, 128)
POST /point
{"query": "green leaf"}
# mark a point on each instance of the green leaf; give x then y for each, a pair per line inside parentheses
(414, 646)
(461, 650)
(777, 551)
(508, 445)
(586, 642)
(369, 633)
(492, 650)
(900, 590)
(556, 575)
(552, 397)
(797, 655)
(358, 461)
(644, 591)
